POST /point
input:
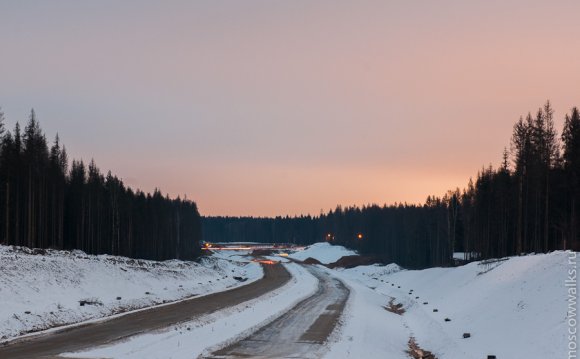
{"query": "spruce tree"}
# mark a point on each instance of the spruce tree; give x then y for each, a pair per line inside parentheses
(571, 157)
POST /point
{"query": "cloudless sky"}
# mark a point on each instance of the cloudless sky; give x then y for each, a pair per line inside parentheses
(288, 107)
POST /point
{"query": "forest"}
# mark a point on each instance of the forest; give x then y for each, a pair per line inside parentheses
(529, 203)
(46, 204)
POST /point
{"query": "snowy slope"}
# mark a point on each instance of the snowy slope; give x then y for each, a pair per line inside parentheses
(514, 308)
(323, 252)
(44, 290)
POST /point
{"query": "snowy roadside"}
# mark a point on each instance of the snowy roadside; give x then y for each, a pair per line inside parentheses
(512, 308)
(42, 289)
(366, 329)
(203, 335)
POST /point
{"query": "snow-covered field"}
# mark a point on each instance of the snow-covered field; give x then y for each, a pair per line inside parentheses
(205, 334)
(45, 290)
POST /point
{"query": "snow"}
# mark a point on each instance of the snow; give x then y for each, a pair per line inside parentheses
(367, 330)
(43, 291)
(513, 308)
(323, 252)
(208, 333)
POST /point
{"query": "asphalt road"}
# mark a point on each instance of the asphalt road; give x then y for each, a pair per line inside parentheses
(94, 334)
(300, 332)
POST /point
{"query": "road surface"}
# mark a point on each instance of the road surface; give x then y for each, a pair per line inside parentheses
(95, 334)
(300, 332)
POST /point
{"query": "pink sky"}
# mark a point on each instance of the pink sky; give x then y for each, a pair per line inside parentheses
(274, 108)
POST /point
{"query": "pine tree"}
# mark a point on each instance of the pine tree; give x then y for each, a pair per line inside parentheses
(571, 156)
(521, 149)
(2, 125)
(550, 153)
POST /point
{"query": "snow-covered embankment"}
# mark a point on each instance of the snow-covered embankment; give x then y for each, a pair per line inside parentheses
(54, 288)
(511, 307)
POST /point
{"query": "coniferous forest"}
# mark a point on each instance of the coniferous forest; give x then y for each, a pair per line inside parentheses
(45, 203)
(530, 203)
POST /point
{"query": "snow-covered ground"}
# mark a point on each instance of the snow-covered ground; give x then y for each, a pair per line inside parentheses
(324, 252)
(205, 334)
(513, 308)
(45, 290)
(366, 329)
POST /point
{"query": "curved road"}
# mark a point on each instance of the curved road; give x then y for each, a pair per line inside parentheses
(103, 332)
(300, 332)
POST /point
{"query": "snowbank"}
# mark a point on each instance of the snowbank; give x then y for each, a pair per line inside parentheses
(366, 329)
(323, 252)
(513, 308)
(46, 290)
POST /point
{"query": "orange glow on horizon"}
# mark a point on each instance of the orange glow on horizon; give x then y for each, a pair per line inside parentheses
(295, 108)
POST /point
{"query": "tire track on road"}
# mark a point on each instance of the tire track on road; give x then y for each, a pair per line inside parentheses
(301, 331)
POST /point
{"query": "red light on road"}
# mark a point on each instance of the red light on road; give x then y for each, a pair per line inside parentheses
(265, 261)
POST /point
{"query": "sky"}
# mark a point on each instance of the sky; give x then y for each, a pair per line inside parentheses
(270, 108)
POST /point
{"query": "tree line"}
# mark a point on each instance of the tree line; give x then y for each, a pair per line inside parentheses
(45, 202)
(530, 203)
(414, 236)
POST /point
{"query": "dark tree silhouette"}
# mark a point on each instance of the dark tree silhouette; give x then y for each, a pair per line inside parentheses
(43, 204)
(532, 208)
(571, 139)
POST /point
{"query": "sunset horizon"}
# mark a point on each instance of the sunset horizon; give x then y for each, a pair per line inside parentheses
(289, 179)
(281, 109)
